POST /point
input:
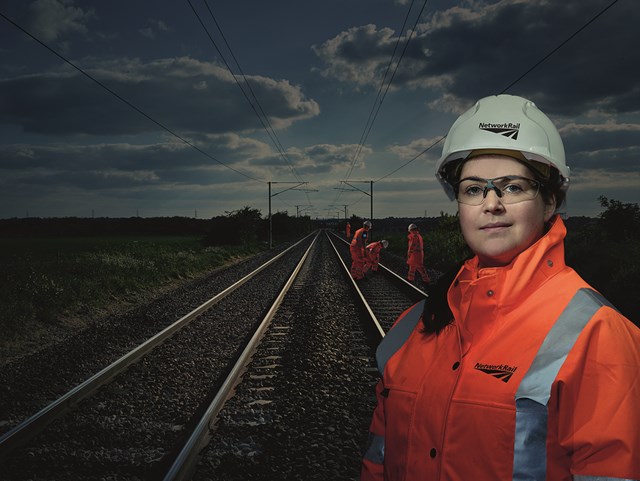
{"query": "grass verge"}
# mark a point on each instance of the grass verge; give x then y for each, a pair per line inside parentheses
(46, 281)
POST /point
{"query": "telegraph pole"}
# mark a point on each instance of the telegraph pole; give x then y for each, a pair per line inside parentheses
(370, 193)
(298, 184)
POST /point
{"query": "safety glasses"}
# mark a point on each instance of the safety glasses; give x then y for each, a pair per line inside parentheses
(511, 189)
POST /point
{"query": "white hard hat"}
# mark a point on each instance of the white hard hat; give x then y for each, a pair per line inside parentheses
(411, 227)
(503, 124)
(367, 224)
(385, 243)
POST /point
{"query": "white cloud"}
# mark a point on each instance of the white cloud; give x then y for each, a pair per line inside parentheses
(55, 18)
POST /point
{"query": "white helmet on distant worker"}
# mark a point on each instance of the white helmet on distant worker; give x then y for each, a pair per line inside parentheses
(385, 243)
(507, 125)
(411, 227)
(367, 224)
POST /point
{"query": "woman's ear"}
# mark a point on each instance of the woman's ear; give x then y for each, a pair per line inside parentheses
(549, 208)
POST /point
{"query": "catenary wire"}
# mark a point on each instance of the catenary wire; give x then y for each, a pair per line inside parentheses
(370, 124)
(554, 50)
(367, 129)
(559, 46)
(262, 117)
(128, 103)
(380, 98)
(274, 138)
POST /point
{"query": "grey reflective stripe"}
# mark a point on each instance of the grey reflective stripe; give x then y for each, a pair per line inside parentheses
(397, 336)
(536, 384)
(530, 447)
(598, 478)
(375, 449)
(534, 391)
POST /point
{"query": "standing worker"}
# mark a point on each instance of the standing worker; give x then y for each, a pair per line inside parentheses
(415, 254)
(516, 368)
(359, 250)
(348, 230)
(373, 257)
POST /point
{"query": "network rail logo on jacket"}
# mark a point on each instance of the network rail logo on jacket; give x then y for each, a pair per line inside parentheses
(499, 371)
(507, 129)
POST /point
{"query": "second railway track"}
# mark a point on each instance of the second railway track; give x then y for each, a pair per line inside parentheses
(301, 411)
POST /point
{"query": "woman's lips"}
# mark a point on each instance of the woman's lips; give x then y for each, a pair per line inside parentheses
(494, 226)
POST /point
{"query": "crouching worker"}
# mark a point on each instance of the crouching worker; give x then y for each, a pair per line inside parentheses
(373, 257)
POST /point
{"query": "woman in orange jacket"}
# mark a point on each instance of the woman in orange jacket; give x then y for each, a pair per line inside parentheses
(517, 369)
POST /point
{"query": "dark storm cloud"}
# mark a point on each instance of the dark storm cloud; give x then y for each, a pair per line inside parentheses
(315, 159)
(182, 94)
(98, 166)
(477, 50)
(609, 146)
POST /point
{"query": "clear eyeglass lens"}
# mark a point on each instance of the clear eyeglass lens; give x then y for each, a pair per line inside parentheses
(510, 189)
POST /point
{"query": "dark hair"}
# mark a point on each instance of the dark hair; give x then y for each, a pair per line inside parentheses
(436, 314)
(551, 187)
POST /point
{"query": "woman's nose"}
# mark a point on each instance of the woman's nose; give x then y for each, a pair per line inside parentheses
(492, 201)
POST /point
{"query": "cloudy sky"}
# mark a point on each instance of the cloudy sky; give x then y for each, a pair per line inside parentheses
(187, 108)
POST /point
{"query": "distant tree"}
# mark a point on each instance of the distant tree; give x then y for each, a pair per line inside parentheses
(607, 255)
(619, 220)
(444, 246)
(236, 227)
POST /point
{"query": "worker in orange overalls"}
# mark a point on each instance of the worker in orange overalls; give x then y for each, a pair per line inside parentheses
(348, 230)
(373, 258)
(515, 367)
(415, 254)
(359, 251)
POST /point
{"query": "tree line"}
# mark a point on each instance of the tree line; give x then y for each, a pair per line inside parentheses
(604, 250)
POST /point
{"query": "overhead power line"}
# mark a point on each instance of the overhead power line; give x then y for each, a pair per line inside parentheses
(371, 118)
(528, 71)
(380, 98)
(262, 116)
(558, 47)
(127, 102)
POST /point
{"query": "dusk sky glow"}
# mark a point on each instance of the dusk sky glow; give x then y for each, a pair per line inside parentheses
(117, 109)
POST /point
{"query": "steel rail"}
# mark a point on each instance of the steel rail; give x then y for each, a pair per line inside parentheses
(184, 464)
(363, 300)
(398, 278)
(33, 425)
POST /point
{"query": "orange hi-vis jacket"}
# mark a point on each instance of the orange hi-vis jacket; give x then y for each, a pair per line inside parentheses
(538, 378)
(415, 249)
(359, 241)
(374, 249)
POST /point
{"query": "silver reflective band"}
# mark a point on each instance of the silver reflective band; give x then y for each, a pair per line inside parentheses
(599, 478)
(534, 391)
(397, 336)
(530, 443)
(375, 449)
(537, 382)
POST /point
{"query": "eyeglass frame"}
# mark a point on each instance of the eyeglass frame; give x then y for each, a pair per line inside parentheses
(489, 185)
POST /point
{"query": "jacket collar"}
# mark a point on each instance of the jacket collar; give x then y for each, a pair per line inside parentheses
(526, 272)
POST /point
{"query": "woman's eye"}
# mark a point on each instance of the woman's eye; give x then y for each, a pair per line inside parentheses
(513, 188)
(473, 190)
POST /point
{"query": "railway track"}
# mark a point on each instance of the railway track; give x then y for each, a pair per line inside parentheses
(295, 402)
(129, 425)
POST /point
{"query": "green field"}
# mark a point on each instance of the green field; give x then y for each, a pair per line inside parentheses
(45, 280)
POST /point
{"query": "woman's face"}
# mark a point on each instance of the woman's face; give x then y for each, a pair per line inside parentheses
(498, 232)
